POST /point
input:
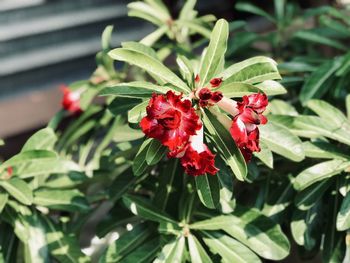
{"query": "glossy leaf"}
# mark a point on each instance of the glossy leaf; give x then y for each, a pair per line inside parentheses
(140, 165)
(208, 190)
(307, 198)
(318, 173)
(18, 189)
(155, 152)
(214, 53)
(43, 139)
(343, 217)
(150, 64)
(135, 89)
(197, 252)
(137, 112)
(3, 200)
(228, 248)
(172, 251)
(227, 147)
(141, 207)
(251, 71)
(281, 141)
(66, 200)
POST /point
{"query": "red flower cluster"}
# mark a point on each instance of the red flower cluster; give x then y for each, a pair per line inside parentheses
(244, 128)
(71, 100)
(173, 121)
(208, 98)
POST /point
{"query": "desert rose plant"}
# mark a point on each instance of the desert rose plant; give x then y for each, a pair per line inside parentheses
(171, 152)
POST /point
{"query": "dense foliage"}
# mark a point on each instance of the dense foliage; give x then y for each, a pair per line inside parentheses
(199, 151)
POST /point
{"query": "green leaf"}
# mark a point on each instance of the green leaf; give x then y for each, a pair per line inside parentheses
(139, 165)
(27, 157)
(237, 89)
(226, 146)
(156, 15)
(43, 139)
(318, 173)
(127, 243)
(143, 253)
(106, 37)
(316, 125)
(153, 37)
(18, 189)
(328, 113)
(343, 217)
(155, 152)
(208, 190)
(307, 198)
(281, 141)
(324, 150)
(305, 226)
(138, 112)
(318, 39)
(265, 155)
(150, 64)
(172, 252)
(135, 89)
(215, 52)
(122, 105)
(271, 87)
(141, 207)
(250, 8)
(195, 26)
(197, 252)
(314, 86)
(251, 71)
(186, 69)
(347, 102)
(228, 248)
(3, 200)
(66, 200)
(252, 228)
(64, 247)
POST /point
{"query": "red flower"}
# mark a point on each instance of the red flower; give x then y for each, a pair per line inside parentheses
(215, 82)
(244, 129)
(170, 120)
(199, 163)
(197, 79)
(208, 98)
(71, 100)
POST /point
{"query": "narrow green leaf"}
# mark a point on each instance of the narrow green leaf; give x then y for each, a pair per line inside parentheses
(307, 198)
(208, 190)
(347, 104)
(343, 217)
(251, 71)
(318, 39)
(43, 139)
(228, 248)
(172, 252)
(127, 243)
(106, 37)
(150, 64)
(139, 165)
(64, 247)
(237, 89)
(3, 200)
(314, 86)
(250, 8)
(227, 147)
(155, 152)
(186, 69)
(265, 155)
(215, 51)
(305, 226)
(318, 173)
(122, 105)
(135, 89)
(252, 228)
(282, 141)
(143, 253)
(328, 113)
(324, 150)
(66, 200)
(138, 112)
(141, 207)
(271, 87)
(18, 189)
(153, 37)
(197, 252)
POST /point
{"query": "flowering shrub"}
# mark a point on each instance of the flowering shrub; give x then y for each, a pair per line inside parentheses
(190, 158)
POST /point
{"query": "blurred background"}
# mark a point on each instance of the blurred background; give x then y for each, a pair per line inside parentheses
(45, 43)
